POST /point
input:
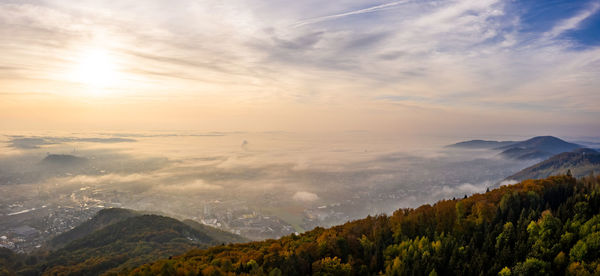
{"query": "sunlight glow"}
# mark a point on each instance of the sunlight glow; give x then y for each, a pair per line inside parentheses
(96, 69)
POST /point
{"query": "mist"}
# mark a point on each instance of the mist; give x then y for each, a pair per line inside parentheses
(261, 185)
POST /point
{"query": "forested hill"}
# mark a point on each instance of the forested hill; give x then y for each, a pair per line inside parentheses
(102, 219)
(581, 162)
(537, 227)
(111, 216)
(114, 240)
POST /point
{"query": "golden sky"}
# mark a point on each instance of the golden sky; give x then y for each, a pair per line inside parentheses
(411, 67)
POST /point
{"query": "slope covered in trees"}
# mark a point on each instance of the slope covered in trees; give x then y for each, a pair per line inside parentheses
(581, 162)
(102, 219)
(112, 241)
(537, 227)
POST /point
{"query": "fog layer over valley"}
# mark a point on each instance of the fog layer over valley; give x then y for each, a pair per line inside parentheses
(259, 185)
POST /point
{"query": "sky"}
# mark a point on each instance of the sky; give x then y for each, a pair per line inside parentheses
(468, 67)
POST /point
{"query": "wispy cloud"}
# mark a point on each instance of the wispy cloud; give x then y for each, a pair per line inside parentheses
(349, 13)
(573, 22)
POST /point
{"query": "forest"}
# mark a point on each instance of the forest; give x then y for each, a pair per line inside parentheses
(537, 227)
(114, 240)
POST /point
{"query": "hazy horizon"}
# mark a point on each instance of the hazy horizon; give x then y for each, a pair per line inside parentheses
(282, 180)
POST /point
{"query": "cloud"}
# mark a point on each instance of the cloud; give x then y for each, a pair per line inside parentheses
(572, 22)
(470, 188)
(462, 189)
(197, 185)
(381, 62)
(305, 196)
(107, 178)
(28, 143)
(350, 13)
(37, 142)
(303, 42)
(508, 182)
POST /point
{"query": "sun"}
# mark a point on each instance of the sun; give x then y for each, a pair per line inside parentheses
(96, 69)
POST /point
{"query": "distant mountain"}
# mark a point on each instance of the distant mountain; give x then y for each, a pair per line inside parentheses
(537, 148)
(119, 239)
(581, 162)
(544, 143)
(481, 144)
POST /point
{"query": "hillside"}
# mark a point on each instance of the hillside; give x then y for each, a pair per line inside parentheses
(103, 218)
(525, 154)
(540, 147)
(481, 144)
(581, 162)
(115, 240)
(537, 227)
(109, 216)
(124, 244)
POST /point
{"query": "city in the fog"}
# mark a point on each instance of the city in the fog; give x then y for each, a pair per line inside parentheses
(258, 185)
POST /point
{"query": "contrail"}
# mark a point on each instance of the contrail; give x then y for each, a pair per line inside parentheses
(339, 15)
